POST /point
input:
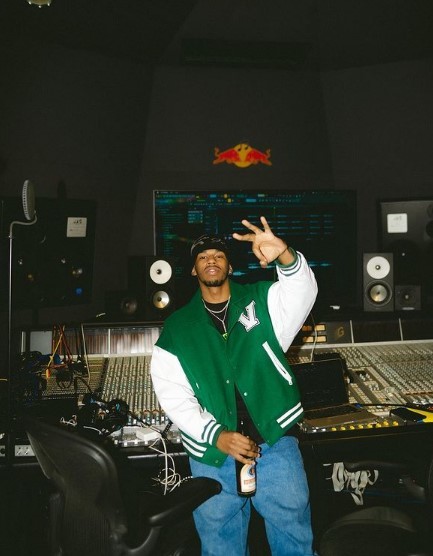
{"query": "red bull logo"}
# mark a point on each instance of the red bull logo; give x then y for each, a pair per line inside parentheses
(242, 155)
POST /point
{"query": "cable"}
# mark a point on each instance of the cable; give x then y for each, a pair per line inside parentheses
(166, 429)
(84, 347)
(76, 378)
(171, 477)
(67, 353)
(72, 422)
(187, 478)
(315, 338)
(54, 351)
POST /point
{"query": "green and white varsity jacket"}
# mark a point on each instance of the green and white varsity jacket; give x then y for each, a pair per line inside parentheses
(195, 370)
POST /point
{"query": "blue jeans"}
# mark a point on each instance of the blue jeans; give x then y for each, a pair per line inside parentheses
(282, 499)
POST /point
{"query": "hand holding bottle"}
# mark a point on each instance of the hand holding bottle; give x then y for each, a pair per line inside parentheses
(237, 445)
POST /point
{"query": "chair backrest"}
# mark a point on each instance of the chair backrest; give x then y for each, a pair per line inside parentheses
(91, 518)
(87, 515)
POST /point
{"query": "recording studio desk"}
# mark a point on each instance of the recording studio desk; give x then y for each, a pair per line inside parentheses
(389, 362)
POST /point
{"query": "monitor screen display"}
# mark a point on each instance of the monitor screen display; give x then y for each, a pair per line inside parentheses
(321, 224)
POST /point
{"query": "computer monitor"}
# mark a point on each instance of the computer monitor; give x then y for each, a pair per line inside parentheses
(406, 230)
(321, 224)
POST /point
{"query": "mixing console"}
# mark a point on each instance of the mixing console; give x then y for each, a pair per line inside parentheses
(128, 378)
(385, 372)
(380, 375)
(63, 382)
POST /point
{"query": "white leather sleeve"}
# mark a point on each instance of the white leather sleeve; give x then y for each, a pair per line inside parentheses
(291, 299)
(176, 396)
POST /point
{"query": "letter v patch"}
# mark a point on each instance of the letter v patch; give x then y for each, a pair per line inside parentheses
(249, 320)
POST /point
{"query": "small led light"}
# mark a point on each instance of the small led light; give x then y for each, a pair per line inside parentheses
(39, 3)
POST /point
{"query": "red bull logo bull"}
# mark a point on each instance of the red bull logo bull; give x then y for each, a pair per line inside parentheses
(242, 155)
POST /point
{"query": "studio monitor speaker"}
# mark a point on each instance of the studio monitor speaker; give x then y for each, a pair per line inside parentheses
(121, 306)
(407, 298)
(52, 262)
(406, 230)
(152, 281)
(378, 282)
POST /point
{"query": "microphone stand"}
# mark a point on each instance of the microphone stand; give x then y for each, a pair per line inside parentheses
(9, 446)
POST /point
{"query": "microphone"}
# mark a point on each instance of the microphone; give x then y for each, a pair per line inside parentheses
(28, 199)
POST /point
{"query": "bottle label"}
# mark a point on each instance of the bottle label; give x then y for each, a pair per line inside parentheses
(248, 478)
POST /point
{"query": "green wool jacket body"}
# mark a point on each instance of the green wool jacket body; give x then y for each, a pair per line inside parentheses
(195, 370)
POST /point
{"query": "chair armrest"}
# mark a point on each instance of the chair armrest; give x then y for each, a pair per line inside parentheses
(182, 501)
(380, 465)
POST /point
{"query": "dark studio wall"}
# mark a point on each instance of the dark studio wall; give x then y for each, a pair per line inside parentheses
(77, 119)
(366, 128)
(221, 107)
(112, 130)
(72, 121)
(380, 129)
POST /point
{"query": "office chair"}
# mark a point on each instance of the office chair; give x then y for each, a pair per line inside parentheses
(384, 530)
(87, 513)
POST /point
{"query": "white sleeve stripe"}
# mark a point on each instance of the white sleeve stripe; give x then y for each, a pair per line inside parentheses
(288, 413)
(292, 418)
(198, 454)
(208, 430)
(288, 271)
(211, 433)
(192, 445)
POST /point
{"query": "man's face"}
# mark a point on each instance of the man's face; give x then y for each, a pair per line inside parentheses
(211, 267)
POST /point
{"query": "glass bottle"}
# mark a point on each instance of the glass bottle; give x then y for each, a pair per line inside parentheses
(245, 472)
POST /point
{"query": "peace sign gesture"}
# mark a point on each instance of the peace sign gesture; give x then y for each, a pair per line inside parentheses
(265, 245)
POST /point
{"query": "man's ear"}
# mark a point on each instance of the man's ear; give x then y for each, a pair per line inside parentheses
(193, 271)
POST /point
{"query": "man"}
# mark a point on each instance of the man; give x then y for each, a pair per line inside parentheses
(221, 357)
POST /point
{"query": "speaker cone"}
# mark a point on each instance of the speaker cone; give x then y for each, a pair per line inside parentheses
(379, 293)
(160, 272)
(128, 306)
(160, 299)
(378, 267)
(408, 297)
